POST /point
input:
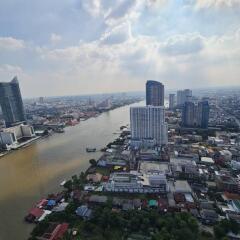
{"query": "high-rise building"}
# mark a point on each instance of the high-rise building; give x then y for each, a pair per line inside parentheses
(171, 101)
(41, 100)
(184, 96)
(148, 123)
(203, 114)
(188, 114)
(154, 93)
(11, 102)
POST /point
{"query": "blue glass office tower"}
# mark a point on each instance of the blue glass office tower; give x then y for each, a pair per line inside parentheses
(203, 114)
(11, 102)
(154, 93)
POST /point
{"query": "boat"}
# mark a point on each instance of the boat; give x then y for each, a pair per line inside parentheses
(91, 149)
(59, 130)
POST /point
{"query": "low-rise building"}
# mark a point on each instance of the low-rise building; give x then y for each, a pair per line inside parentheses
(10, 137)
(227, 183)
(136, 183)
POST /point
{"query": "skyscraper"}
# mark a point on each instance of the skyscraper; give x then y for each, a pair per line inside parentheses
(203, 114)
(184, 96)
(171, 100)
(148, 123)
(154, 93)
(188, 114)
(11, 102)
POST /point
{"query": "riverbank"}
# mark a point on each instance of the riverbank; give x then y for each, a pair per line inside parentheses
(31, 141)
(35, 171)
(76, 188)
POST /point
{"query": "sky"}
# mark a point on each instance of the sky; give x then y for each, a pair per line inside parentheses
(73, 47)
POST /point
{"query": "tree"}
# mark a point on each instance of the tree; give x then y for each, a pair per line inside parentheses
(68, 185)
(93, 162)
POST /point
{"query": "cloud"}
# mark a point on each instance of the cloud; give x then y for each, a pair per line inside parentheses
(155, 4)
(93, 7)
(7, 72)
(182, 60)
(122, 10)
(9, 43)
(9, 68)
(118, 34)
(104, 46)
(55, 38)
(183, 44)
(201, 4)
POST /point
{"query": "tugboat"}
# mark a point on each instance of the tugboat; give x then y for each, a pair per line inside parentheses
(91, 149)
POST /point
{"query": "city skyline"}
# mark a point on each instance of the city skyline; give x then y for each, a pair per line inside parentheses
(127, 43)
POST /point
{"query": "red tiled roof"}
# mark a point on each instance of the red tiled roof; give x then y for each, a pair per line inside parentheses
(36, 212)
(59, 231)
(232, 196)
(42, 202)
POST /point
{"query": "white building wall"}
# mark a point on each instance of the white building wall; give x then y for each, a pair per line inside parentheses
(20, 131)
(16, 130)
(27, 131)
(149, 123)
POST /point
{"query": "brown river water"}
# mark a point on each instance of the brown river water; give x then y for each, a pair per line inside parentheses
(28, 174)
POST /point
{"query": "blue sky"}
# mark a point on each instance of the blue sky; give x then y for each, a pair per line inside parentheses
(66, 47)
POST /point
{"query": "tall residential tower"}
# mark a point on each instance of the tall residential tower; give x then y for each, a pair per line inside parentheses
(171, 101)
(184, 96)
(148, 123)
(203, 114)
(154, 93)
(188, 114)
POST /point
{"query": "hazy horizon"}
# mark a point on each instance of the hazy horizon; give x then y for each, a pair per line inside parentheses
(167, 91)
(79, 47)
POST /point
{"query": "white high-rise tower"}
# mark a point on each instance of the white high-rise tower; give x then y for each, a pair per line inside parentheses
(148, 123)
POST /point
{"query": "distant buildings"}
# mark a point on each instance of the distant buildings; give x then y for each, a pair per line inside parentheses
(105, 105)
(188, 114)
(154, 93)
(203, 114)
(148, 123)
(11, 102)
(171, 101)
(183, 96)
(195, 116)
(41, 100)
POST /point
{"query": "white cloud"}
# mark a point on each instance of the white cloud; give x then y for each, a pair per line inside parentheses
(7, 72)
(155, 4)
(93, 7)
(6, 68)
(118, 34)
(9, 43)
(117, 45)
(191, 60)
(183, 44)
(217, 3)
(55, 38)
(122, 11)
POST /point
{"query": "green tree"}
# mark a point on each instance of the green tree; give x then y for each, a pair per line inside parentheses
(93, 162)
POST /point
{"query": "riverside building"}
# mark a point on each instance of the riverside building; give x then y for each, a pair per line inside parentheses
(11, 102)
(148, 126)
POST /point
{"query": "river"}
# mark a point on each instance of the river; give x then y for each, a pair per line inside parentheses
(28, 174)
